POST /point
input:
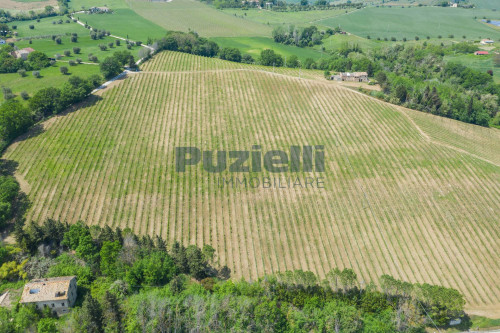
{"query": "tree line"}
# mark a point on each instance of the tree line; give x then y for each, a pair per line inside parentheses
(128, 283)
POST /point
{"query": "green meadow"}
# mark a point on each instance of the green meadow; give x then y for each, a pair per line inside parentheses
(254, 45)
(415, 21)
(277, 18)
(50, 77)
(185, 15)
(46, 27)
(481, 63)
(125, 23)
(85, 43)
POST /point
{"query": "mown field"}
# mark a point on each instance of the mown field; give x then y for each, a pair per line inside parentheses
(185, 15)
(416, 21)
(406, 193)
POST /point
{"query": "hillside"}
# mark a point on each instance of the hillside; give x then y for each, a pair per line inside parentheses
(406, 193)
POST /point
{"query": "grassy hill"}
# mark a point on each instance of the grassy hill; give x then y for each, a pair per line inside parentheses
(416, 21)
(406, 193)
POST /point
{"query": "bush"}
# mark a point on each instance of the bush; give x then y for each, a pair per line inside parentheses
(7, 93)
(22, 72)
(63, 70)
(111, 45)
(76, 50)
(72, 63)
(36, 74)
(138, 43)
(14, 27)
(103, 47)
(117, 42)
(32, 26)
(52, 62)
(58, 56)
(93, 59)
(74, 39)
(67, 53)
(58, 40)
(25, 95)
(78, 60)
(129, 46)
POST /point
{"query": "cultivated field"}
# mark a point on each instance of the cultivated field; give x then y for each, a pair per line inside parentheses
(406, 194)
(185, 15)
(416, 21)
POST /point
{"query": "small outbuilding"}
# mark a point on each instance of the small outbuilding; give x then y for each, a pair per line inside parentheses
(58, 294)
(2, 42)
(481, 53)
(486, 42)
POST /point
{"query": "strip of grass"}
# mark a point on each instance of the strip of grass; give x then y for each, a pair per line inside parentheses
(254, 45)
(277, 18)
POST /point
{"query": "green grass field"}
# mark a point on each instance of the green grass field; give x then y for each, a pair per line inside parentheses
(46, 28)
(182, 15)
(85, 43)
(124, 22)
(416, 21)
(487, 4)
(254, 45)
(481, 63)
(50, 77)
(277, 18)
(406, 193)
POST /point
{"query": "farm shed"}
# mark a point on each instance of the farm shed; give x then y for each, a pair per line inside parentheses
(481, 53)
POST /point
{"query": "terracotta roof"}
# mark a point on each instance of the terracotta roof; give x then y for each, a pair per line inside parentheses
(51, 289)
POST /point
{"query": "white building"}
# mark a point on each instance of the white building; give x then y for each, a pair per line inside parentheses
(2, 42)
(58, 294)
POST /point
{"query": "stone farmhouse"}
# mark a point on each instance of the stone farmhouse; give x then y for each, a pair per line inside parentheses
(23, 53)
(58, 294)
(351, 77)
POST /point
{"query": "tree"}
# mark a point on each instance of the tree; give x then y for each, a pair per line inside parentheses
(196, 262)
(110, 67)
(269, 317)
(401, 93)
(15, 119)
(45, 102)
(230, 53)
(4, 29)
(63, 70)
(47, 325)
(109, 254)
(292, 61)
(270, 58)
(112, 314)
(91, 315)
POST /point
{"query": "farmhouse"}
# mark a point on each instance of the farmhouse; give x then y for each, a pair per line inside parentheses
(481, 53)
(58, 293)
(98, 10)
(23, 53)
(352, 77)
(486, 42)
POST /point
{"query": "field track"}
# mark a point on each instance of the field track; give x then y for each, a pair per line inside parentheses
(407, 194)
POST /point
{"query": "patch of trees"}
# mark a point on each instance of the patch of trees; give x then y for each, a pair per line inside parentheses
(134, 284)
(292, 35)
(16, 119)
(192, 43)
